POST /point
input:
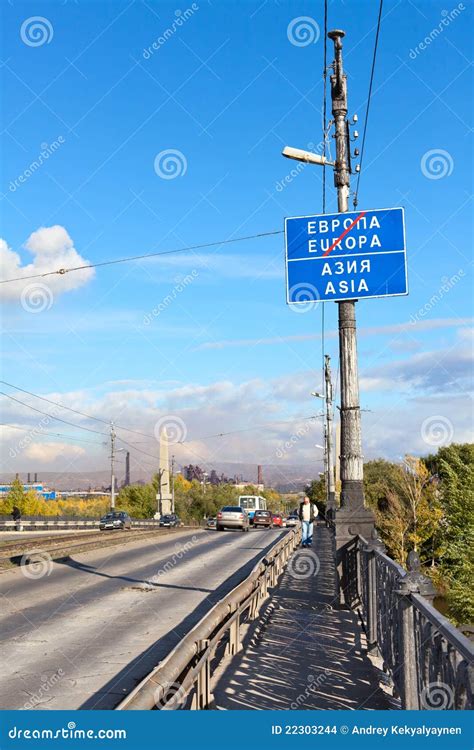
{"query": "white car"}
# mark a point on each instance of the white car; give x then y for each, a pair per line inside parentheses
(292, 521)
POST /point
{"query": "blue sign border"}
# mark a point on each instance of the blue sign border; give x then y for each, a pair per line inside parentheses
(346, 214)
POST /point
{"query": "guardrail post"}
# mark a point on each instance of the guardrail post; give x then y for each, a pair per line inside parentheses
(234, 644)
(203, 697)
(414, 582)
(375, 545)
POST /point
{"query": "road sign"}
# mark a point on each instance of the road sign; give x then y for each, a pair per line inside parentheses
(334, 257)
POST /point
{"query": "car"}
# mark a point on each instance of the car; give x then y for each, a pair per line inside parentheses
(263, 518)
(232, 517)
(211, 523)
(115, 519)
(292, 521)
(277, 520)
(170, 520)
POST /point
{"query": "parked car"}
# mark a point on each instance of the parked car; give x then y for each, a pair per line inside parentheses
(170, 520)
(211, 523)
(116, 519)
(263, 518)
(292, 521)
(277, 520)
(232, 517)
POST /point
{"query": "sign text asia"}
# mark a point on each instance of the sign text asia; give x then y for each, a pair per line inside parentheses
(333, 257)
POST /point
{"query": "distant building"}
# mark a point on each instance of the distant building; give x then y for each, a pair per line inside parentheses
(44, 492)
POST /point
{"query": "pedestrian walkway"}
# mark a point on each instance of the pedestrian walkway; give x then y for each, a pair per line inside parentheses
(304, 652)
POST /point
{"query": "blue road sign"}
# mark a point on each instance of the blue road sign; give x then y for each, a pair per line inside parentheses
(333, 257)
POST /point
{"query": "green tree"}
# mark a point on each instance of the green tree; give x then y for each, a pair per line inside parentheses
(316, 492)
(454, 466)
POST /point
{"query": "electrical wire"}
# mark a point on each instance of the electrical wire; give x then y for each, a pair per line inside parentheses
(142, 434)
(62, 271)
(356, 194)
(53, 434)
(324, 99)
(74, 411)
(57, 419)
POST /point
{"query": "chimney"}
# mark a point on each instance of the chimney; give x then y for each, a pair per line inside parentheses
(29, 478)
(36, 478)
(127, 469)
(259, 474)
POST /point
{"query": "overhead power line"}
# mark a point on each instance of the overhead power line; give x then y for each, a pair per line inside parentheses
(74, 411)
(356, 195)
(51, 416)
(53, 434)
(62, 271)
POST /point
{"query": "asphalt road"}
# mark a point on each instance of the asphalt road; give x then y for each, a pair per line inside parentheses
(84, 633)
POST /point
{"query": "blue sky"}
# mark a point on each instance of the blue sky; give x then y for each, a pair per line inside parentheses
(227, 89)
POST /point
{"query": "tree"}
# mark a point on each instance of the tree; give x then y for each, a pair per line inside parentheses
(316, 492)
(15, 496)
(454, 466)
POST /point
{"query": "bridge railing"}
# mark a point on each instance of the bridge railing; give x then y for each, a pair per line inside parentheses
(185, 675)
(430, 662)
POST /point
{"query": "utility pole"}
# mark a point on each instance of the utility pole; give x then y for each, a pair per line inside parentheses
(352, 494)
(172, 484)
(331, 490)
(352, 518)
(112, 468)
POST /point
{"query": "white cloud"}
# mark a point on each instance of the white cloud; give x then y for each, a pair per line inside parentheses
(48, 452)
(53, 249)
(396, 328)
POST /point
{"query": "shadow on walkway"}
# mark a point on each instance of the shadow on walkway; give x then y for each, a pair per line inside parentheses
(303, 652)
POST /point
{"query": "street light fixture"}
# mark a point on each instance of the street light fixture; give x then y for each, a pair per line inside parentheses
(299, 154)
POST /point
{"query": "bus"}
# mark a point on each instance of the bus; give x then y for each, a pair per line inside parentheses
(251, 503)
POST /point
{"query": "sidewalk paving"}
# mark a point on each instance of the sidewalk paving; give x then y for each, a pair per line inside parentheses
(304, 652)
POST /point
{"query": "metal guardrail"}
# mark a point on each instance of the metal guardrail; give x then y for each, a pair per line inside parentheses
(430, 662)
(186, 673)
(28, 525)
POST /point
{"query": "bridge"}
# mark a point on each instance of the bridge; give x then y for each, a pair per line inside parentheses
(230, 621)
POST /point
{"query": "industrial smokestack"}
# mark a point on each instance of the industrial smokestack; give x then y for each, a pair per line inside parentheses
(36, 478)
(259, 474)
(29, 478)
(127, 469)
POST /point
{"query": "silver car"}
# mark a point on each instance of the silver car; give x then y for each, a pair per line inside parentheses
(233, 517)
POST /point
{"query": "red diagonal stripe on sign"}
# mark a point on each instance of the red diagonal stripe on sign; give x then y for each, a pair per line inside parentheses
(346, 231)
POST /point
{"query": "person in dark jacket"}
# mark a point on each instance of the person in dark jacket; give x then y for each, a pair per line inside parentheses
(307, 513)
(16, 515)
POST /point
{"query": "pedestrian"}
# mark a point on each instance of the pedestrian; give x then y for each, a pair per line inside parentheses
(16, 515)
(308, 511)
